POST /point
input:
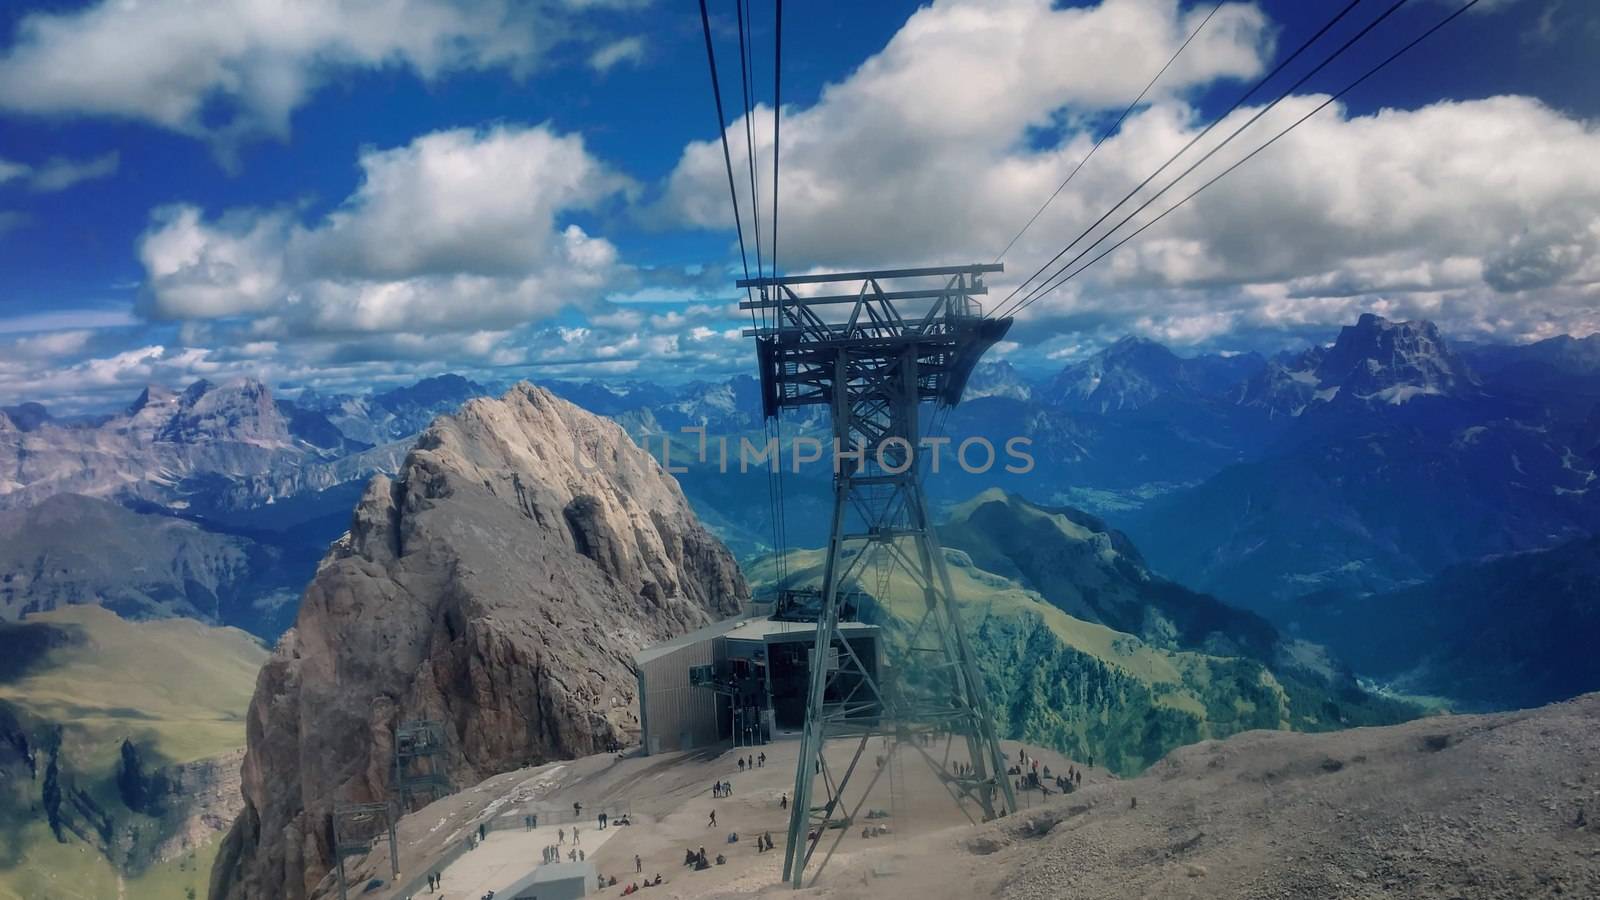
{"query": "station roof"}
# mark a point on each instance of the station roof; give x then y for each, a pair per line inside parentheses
(715, 629)
(747, 628)
(766, 629)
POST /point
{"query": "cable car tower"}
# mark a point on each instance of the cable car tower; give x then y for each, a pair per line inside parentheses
(874, 357)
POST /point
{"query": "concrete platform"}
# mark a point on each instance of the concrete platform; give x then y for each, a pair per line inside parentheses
(505, 857)
(670, 798)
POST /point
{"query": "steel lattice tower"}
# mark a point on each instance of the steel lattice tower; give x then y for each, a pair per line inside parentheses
(420, 752)
(356, 828)
(874, 357)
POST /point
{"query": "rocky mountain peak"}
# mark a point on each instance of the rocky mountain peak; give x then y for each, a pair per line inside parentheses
(1136, 371)
(1391, 361)
(449, 388)
(242, 410)
(1376, 361)
(27, 416)
(153, 397)
(500, 583)
(997, 379)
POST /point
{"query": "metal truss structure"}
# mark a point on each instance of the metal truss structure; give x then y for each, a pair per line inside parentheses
(356, 827)
(420, 753)
(874, 357)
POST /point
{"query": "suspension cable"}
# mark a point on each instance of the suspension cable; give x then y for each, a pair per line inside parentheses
(1027, 300)
(722, 131)
(1196, 139)
(746, 63)
(1219, 176)
(1108, 133)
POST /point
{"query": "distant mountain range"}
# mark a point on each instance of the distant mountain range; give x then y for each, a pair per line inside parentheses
(1358, 468)
(1398, 459)
(1136, 372)
(213, 502)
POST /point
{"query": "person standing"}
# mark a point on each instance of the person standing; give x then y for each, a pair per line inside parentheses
(638, 864)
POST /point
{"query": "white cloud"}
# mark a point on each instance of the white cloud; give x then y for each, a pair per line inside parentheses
(922, 151)
(60, 173)
(1483, 214)
(232, 70)
(75, 319)
(10, 171)
(628, 50)
(458, 230)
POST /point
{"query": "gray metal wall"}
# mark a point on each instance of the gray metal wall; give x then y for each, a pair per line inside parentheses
(675, 715)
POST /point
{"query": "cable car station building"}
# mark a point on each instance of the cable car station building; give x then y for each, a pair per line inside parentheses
(742, 679)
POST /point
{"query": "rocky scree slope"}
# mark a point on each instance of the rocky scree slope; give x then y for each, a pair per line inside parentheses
(499, 584)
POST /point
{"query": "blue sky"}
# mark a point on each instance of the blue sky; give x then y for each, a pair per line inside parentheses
(352, 194)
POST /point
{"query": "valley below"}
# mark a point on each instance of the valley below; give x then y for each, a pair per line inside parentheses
(120, 745)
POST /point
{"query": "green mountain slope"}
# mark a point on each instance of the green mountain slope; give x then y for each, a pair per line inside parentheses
(1086, 687)
(1093, 572)
(109, 732)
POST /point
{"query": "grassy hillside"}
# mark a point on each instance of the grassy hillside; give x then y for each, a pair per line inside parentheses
(1199, 670)
(75, 685)
(1093, 572)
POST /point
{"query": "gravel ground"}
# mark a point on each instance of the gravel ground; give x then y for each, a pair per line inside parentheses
(1450, 807)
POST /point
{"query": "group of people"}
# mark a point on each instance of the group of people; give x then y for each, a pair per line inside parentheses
(764, 842)
(721, 789)
(638, 886)
(752, 762)
(1069, 782)
(433, 882)
(698, 861)
(552, 854)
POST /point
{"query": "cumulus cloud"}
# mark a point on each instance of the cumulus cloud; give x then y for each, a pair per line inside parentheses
(923, 150)
(233, 70)
(458, 230)
(938, 148)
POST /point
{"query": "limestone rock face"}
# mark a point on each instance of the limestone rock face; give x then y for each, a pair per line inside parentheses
(500, 584)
